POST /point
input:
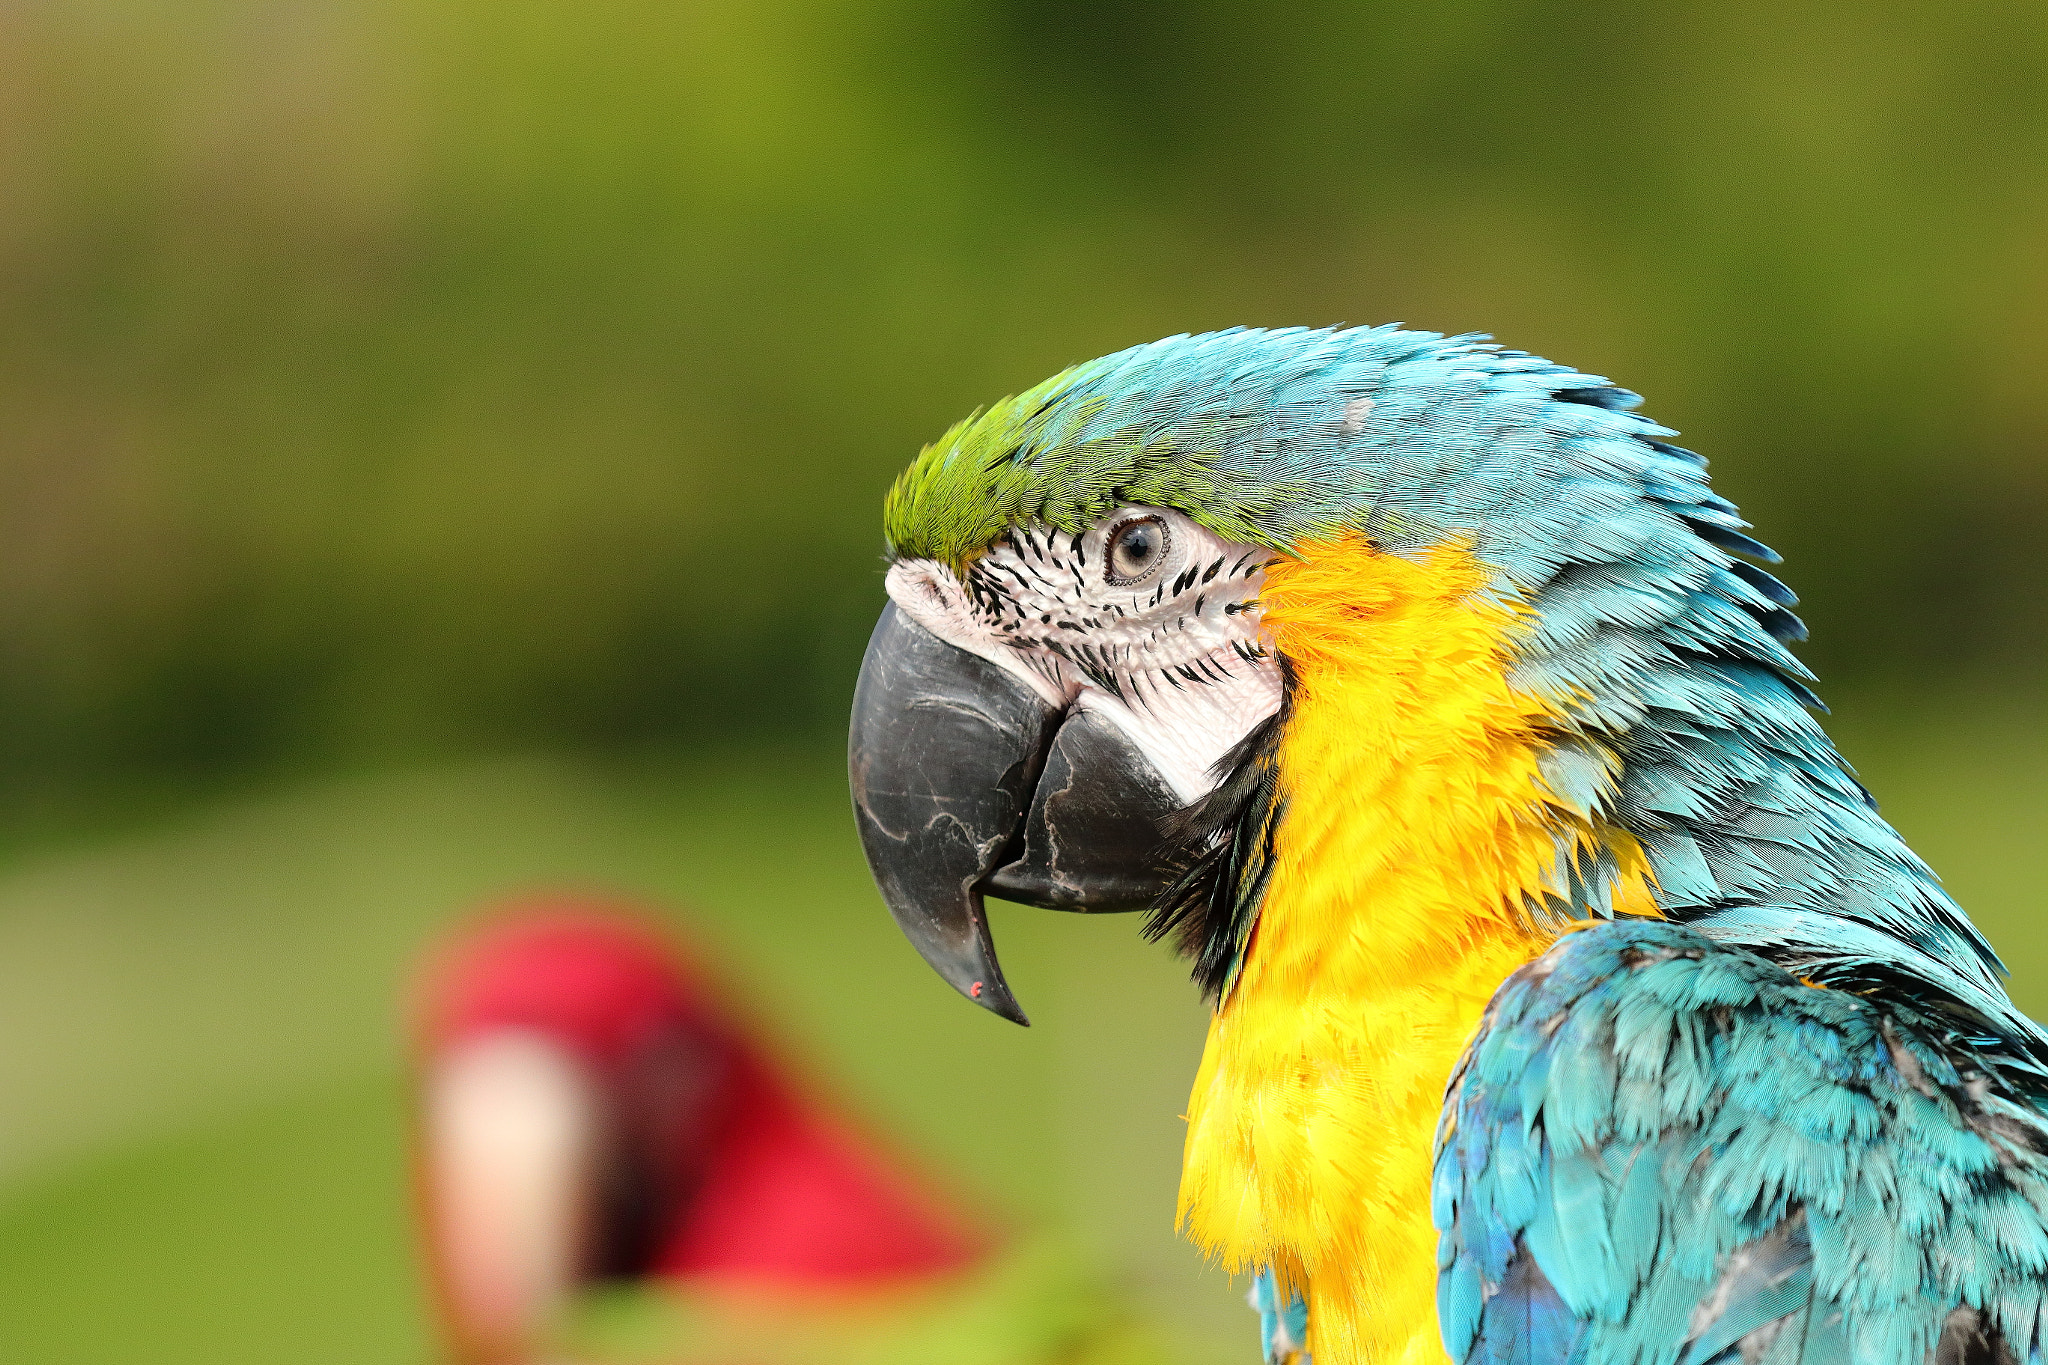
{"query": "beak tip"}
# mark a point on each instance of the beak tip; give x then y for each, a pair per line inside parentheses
(994, 996)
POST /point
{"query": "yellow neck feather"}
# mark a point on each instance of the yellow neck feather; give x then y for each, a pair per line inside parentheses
(1417, 829)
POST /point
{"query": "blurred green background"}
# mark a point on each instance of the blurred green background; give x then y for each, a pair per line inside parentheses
(440, 449)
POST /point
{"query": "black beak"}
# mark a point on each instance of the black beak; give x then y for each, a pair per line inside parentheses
(965, 781)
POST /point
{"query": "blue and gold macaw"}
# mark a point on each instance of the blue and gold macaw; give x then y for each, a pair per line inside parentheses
(1572, 1003)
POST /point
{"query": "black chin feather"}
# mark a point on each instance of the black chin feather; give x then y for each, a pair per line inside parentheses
(1222, 850)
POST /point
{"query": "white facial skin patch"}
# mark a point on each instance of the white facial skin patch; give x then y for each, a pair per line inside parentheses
(1145, 618)
(512, 1137)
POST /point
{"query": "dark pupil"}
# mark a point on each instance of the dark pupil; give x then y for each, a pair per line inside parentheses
(1136, 547)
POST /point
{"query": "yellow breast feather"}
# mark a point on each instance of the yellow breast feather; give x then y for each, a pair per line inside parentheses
(1412, 864)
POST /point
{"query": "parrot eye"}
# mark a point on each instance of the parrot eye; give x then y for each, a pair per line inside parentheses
(1135, 549)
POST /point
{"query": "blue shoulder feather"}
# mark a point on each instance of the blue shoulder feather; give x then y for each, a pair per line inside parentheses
(1663, 1150)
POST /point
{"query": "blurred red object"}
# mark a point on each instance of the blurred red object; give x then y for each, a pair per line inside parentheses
(590, 1108)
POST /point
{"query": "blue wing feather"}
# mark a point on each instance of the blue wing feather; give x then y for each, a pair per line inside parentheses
(1283, 1320)
(1664, 1150)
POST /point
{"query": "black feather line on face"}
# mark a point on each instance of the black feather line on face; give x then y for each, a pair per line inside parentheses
(1222, 848)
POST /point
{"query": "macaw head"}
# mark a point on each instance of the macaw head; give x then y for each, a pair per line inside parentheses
(591, 1107)
(1110, 597)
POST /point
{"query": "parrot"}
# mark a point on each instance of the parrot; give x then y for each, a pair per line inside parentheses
(593, 1117)
(1570, 1002)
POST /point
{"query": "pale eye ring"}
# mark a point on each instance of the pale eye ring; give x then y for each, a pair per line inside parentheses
(1136, 549)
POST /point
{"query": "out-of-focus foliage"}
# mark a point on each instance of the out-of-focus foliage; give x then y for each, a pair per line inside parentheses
(442, 374)
(392, 378)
